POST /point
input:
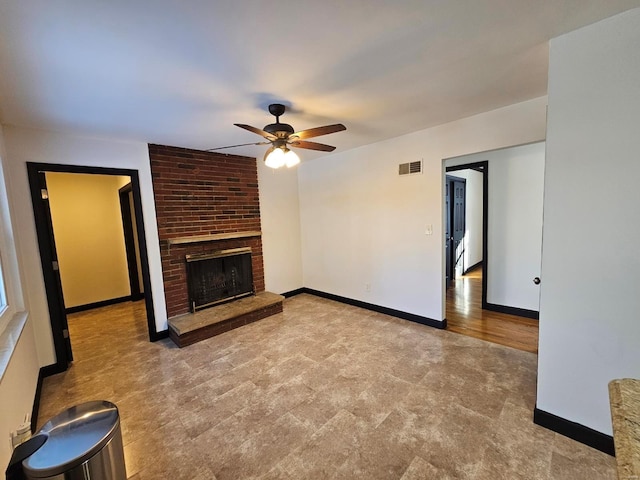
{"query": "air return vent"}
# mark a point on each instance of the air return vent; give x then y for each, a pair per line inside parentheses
(410, 168)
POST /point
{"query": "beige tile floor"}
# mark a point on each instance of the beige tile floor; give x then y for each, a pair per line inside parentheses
(321, 391)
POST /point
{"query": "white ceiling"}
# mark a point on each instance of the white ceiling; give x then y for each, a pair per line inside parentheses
(182, 72)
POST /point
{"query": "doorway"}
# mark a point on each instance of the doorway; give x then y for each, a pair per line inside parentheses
(466, 235)
(467, 309)
(499, 302)
(37, 173)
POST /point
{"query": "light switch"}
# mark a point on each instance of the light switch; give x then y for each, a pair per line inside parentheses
(429, 230)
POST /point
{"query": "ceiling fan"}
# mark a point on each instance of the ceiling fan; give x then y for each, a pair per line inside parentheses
(282, 135)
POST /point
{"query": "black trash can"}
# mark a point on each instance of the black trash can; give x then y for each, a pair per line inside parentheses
(82, 443)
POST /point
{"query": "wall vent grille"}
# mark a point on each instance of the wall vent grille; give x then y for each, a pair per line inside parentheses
(410, 168)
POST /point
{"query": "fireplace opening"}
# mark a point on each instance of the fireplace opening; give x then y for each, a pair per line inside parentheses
(219, 277)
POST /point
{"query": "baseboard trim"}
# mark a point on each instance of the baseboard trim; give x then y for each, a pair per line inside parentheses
(52, 369)
(293, 293)
(36, 402)
(155, 336)
(520, 312)
(377, 308)
(576, 431)
(44, 372)
(102, 303)
(473, 267)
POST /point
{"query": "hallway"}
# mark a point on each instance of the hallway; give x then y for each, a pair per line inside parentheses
(465, 315)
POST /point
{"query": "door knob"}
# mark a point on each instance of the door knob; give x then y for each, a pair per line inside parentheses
(536, 280)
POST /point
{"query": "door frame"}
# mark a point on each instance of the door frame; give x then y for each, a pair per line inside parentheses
(130, 242)
(46, 241)
(482, 167)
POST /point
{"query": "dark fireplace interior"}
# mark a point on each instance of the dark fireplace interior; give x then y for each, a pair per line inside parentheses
(219, 277)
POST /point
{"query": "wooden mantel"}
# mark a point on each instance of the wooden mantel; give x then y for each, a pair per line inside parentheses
(213, 237)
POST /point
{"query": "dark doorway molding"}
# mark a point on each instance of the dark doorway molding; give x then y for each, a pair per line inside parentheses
(46, 245)
(482, 167)
(130, 240)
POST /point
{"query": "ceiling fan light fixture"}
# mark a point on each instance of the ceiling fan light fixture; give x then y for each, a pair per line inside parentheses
(291, 159)
(274, 158)
(277, 157)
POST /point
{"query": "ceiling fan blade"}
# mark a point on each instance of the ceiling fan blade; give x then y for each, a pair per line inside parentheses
(240, 145)
(262, 133)
(312, 146)
(316, 132)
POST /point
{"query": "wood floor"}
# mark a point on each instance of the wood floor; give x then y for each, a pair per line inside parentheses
(465, 316)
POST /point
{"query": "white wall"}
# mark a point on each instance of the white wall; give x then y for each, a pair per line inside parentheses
(516, 184)
(17, 386)
(280, 219)
(18, 357)
(26, 145)
(473, 216)
(589, 305)
(363, 224)
(89, 236)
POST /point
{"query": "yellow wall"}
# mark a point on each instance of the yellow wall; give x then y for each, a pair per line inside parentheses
(89, 237)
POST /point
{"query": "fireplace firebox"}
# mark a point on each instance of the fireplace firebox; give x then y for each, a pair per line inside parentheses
(219, 277)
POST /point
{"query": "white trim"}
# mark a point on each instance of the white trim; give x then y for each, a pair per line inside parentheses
(9, 338)
(9, 269)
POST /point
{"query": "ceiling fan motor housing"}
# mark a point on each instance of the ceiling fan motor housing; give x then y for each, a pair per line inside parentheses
(275, 128)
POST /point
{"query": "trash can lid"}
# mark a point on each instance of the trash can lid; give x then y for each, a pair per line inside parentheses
(74, 436)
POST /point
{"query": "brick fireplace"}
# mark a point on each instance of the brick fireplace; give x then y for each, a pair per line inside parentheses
(205, 203)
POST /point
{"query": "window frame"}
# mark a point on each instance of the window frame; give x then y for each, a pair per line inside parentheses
(10, 280)
(3, 289)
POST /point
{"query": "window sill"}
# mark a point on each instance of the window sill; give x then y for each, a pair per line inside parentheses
(9, 339)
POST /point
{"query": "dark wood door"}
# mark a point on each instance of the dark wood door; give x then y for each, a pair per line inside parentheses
(454, 225)
(458, 223)
(447, 231)
(131, 241)
(50, 267)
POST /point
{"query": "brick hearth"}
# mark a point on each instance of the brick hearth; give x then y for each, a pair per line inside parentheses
(193, 327)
